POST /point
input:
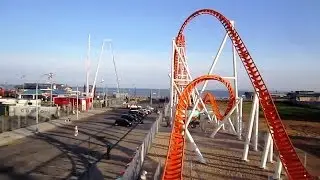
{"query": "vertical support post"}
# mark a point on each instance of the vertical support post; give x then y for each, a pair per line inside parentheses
(277, 172)
(37, 110)
(256, 125)
(265, 150)
(150, 97)
(88, 68)
(250, 125)
(19, 122)
(235, 82)
(240, 119)
(271, 151)
(77, 103)
(50, 76)
(172, 90)
(2, 123)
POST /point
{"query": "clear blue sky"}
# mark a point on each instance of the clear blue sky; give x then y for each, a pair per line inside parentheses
(51, 36)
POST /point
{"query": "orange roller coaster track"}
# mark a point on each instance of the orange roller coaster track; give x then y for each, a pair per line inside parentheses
(210, 99)
(287, 154)
(174, 162)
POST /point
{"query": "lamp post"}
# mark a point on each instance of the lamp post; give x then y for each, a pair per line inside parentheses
(22, 77)
(77, 103)
(105, 93)
(50, 76)
(37, 108)
(37, 111)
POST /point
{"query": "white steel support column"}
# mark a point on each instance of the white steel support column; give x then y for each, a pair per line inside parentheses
(171, 86)
(88, 67)
(235, 84)
(270, 159)
(77, 103)
(277, 172)
(240, 119)
(266, 149)
(256, 127)
(250, 127)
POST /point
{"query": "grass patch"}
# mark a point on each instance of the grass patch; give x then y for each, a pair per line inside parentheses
(286, 110)
(300, 113)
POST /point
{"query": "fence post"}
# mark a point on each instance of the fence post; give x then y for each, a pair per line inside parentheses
(2, 123)
(19, 122)
(25, 120)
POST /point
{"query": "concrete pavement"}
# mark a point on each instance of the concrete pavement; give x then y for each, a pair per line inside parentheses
(58, 154)
(10, 136)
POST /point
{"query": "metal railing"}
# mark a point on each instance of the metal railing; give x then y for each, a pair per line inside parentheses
(134, 167)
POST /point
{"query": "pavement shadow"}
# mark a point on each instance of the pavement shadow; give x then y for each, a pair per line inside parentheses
(8, 173)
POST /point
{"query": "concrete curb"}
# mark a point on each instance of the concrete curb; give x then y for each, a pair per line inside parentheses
(9, 137)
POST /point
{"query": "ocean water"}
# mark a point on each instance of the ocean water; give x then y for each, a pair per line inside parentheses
(157, 92)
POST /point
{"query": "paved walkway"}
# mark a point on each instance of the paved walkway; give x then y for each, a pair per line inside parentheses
(58, 154)
(10, 136)
(223, 155)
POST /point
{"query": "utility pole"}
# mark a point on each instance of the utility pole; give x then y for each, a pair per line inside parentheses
(77, 103)
(88, 68)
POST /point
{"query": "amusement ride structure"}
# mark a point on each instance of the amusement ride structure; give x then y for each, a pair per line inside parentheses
(185, 95)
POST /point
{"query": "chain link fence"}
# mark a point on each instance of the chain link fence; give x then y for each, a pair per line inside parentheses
(16, 117)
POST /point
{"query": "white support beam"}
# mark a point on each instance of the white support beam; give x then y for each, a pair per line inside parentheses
(270, 159)
(266, 149)
(250, 126)
(225, 120)
(277, 172)
(240, 119)
(195, 147)
(256, 127)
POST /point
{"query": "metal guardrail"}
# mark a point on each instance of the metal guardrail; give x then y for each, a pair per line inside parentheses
(134, 167)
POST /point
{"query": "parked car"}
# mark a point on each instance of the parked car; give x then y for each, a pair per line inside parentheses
(129, 117)
(137, 116)
(150, 108)
(137, 112)
(132, 117)
(122, 122)
(194, 123)
(147, 111)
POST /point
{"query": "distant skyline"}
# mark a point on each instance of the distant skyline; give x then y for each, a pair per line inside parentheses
(38, 37)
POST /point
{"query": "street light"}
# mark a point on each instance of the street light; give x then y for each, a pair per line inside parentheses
(50, 76)
(105, 95)
(37, 109)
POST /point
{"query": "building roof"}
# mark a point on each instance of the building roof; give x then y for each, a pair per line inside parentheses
(33, 92)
